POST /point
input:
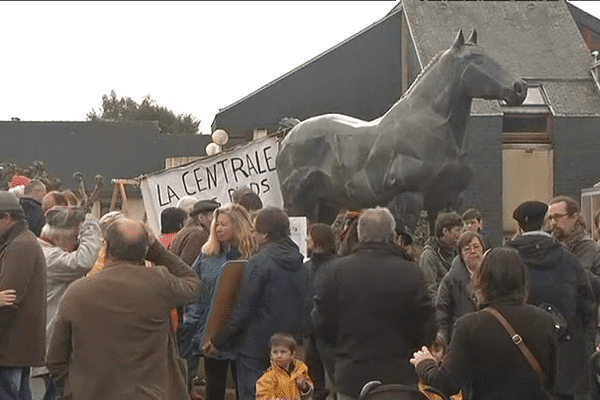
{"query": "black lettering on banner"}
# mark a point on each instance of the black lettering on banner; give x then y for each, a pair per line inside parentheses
(267, 158)
(212, 177)
(198, 180)
(255, 188)
(260, 170)
(171, 193)
(240, 167)
(160, 202)
(265, 184)
(230, 193)
(185, 184)
(251, 165)
(222, 164)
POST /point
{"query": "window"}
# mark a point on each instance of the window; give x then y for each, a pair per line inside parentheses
(529, 122)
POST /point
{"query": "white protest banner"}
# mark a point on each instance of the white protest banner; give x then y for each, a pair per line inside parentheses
(215, 177)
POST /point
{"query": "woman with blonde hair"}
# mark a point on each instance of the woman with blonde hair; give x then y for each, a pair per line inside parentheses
(230, 238)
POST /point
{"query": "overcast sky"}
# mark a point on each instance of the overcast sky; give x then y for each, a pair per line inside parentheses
(59, 58)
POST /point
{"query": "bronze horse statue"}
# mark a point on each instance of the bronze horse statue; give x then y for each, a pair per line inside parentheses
(410, 159)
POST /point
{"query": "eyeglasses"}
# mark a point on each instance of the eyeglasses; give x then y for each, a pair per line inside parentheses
(468, 248)
(556, 217)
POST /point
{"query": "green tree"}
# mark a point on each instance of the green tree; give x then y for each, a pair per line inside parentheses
(125, 109)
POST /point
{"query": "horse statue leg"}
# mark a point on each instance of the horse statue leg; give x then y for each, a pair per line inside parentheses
(407, 208)
(314, 197)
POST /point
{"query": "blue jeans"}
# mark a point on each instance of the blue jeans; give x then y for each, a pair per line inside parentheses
(50, 388)
(249, 369)
(14, 383)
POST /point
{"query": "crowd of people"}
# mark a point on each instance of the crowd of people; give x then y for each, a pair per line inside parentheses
(106, 310)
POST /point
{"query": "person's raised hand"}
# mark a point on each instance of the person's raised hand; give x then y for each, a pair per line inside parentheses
(420, 355)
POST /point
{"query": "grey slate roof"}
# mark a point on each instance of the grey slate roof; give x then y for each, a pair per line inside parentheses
(538, 41)
(532, 39)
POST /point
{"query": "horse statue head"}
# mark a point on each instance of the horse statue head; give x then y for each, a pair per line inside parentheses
(413, 155)
(483, 77)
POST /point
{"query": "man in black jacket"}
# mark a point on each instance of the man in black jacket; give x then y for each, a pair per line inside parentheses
(373, 307)
(31, 202)
(558, 279)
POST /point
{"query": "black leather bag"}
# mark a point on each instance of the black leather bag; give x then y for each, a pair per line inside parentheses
(560, 323)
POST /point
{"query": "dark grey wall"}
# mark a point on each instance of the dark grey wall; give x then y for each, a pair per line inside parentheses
(484, 155)
(113, 149)
(361, 78)
(576, 154)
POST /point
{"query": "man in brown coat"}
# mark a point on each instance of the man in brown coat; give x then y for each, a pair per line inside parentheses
(189, 241)
(22, 325)
(112, 337)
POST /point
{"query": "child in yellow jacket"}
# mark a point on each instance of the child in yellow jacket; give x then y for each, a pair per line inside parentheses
(439, 348)
(287, 378)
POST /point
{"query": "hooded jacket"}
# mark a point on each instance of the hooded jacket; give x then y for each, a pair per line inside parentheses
(276, 383)
(586, 250)
(455, 298)
(435, 262)
(556, 277)
(33, 214)
(271, 299)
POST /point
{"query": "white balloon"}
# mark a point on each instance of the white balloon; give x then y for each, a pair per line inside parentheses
(212, 149)
(220, 137)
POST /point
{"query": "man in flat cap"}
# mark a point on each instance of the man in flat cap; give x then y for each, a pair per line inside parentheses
(23, 325)
(189, 241)
(557, 279)
(187, 245)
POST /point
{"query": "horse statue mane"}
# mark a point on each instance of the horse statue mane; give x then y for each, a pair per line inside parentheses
(431, 63)
(410, 159)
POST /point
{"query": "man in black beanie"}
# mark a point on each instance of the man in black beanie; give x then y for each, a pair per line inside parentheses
(558, 281)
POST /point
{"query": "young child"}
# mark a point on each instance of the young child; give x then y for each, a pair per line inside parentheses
(287, 378)
(7, 297)
(438, 351)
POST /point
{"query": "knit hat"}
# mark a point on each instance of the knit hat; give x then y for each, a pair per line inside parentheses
(9, 202)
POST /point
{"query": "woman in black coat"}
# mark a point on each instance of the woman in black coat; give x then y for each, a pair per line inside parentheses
(455, 296)
(482, 359)
(321, 247)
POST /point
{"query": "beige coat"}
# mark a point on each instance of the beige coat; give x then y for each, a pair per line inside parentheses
(112, 337)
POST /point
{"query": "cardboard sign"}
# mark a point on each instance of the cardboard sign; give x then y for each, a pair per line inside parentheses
(215, 177)
(225, 298)
(299, 232)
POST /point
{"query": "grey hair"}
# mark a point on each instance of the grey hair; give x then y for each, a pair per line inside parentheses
(376, 225)
(108, 219)
(53, 232)
(62, 221)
